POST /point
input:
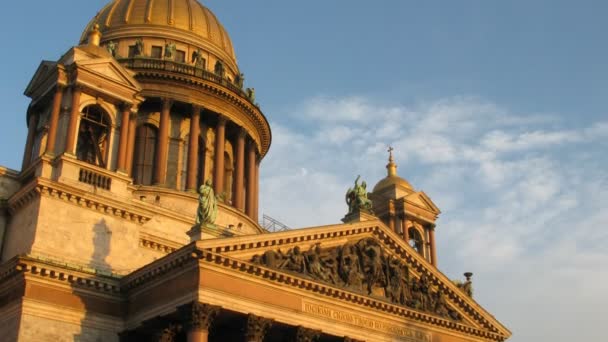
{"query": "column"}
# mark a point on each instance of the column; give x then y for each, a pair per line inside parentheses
(218, 165)
(198, 318)
(29, 144)
(160, 174)
(250, 205)
(191, 176)
(256, 193)
(307, 335)
(131, 142)
(239, 202)
(124, 136)
(70, 145)
(432, 245)
(406, 234)
(54, 120)
(257, 327)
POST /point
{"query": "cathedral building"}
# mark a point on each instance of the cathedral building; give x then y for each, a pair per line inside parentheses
(99, 236)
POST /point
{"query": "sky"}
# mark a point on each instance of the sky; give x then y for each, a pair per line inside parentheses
(496, 109)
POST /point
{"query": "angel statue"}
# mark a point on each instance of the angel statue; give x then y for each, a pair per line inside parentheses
(356, 198)
(207, 204)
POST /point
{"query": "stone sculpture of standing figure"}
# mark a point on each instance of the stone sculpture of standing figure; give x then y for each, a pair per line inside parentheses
(207, 205)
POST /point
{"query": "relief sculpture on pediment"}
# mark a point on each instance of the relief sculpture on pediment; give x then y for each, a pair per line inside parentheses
(365, 267)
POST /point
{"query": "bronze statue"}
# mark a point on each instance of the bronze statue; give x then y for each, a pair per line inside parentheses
(139, 47)
(207, 204)
(170, 49)
(239, 80)
(198, 59)
(111, 47)
(356, 198)
(250, 94)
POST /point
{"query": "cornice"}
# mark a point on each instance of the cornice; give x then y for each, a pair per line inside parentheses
(72, 275)
(44, 187)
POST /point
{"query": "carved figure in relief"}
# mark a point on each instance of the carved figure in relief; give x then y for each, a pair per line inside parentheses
(207, 204)
(316, 265)
(295, 261)
(362, 266)
(356, 197)
(373, 261)
(349, 268)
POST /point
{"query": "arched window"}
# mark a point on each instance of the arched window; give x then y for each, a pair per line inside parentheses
(145, 152)
(416, 240)
(93, 136)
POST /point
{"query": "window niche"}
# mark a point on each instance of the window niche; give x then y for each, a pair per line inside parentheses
(416, 241)
(93, 136)
(145, 153)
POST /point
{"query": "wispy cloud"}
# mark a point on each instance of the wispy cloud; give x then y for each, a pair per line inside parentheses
(522, 195)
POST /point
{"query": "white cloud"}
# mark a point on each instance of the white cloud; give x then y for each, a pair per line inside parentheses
(523, 197)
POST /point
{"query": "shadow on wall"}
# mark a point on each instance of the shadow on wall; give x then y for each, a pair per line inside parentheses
(92, 304)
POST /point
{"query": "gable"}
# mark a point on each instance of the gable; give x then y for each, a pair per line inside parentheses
(420, 199)
(110, 70)
(366, 259)
(46, 75)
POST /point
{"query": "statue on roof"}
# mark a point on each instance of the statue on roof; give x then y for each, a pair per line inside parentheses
(356, 198)
(111, 47)
(170, 49)
(207, 205)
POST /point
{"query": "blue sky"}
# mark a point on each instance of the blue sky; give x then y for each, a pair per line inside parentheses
(497, 110)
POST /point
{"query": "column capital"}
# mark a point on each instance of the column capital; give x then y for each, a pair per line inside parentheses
(167, 103)
(196, 108)
(242, 133)
(221, 119)
(306, 335)
(198, 315)
(257, 327)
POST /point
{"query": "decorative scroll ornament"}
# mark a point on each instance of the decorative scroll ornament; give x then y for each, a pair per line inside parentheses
(257, 327)
(362, 267)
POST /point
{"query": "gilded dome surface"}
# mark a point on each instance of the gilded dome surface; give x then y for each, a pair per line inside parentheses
(392, 180)
(185, 20)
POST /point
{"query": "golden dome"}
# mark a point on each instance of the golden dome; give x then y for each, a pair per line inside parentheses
(392, 179)
(180, 20)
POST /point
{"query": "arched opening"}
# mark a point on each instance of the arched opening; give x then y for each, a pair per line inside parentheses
(416, 240)
(145, 152)
(93, 136)
(228, 171)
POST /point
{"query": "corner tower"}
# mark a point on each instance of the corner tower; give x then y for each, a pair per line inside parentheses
(408, 212)
(122, 131)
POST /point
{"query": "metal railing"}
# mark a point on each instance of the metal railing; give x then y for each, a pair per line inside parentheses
(147, 63)
(272, 225)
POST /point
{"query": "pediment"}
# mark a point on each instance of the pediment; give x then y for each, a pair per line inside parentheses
(110, 70)
(422, 200)
(46, 70)
(364, 259)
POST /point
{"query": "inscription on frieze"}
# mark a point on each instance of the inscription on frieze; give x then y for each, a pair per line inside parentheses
(399, 331)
